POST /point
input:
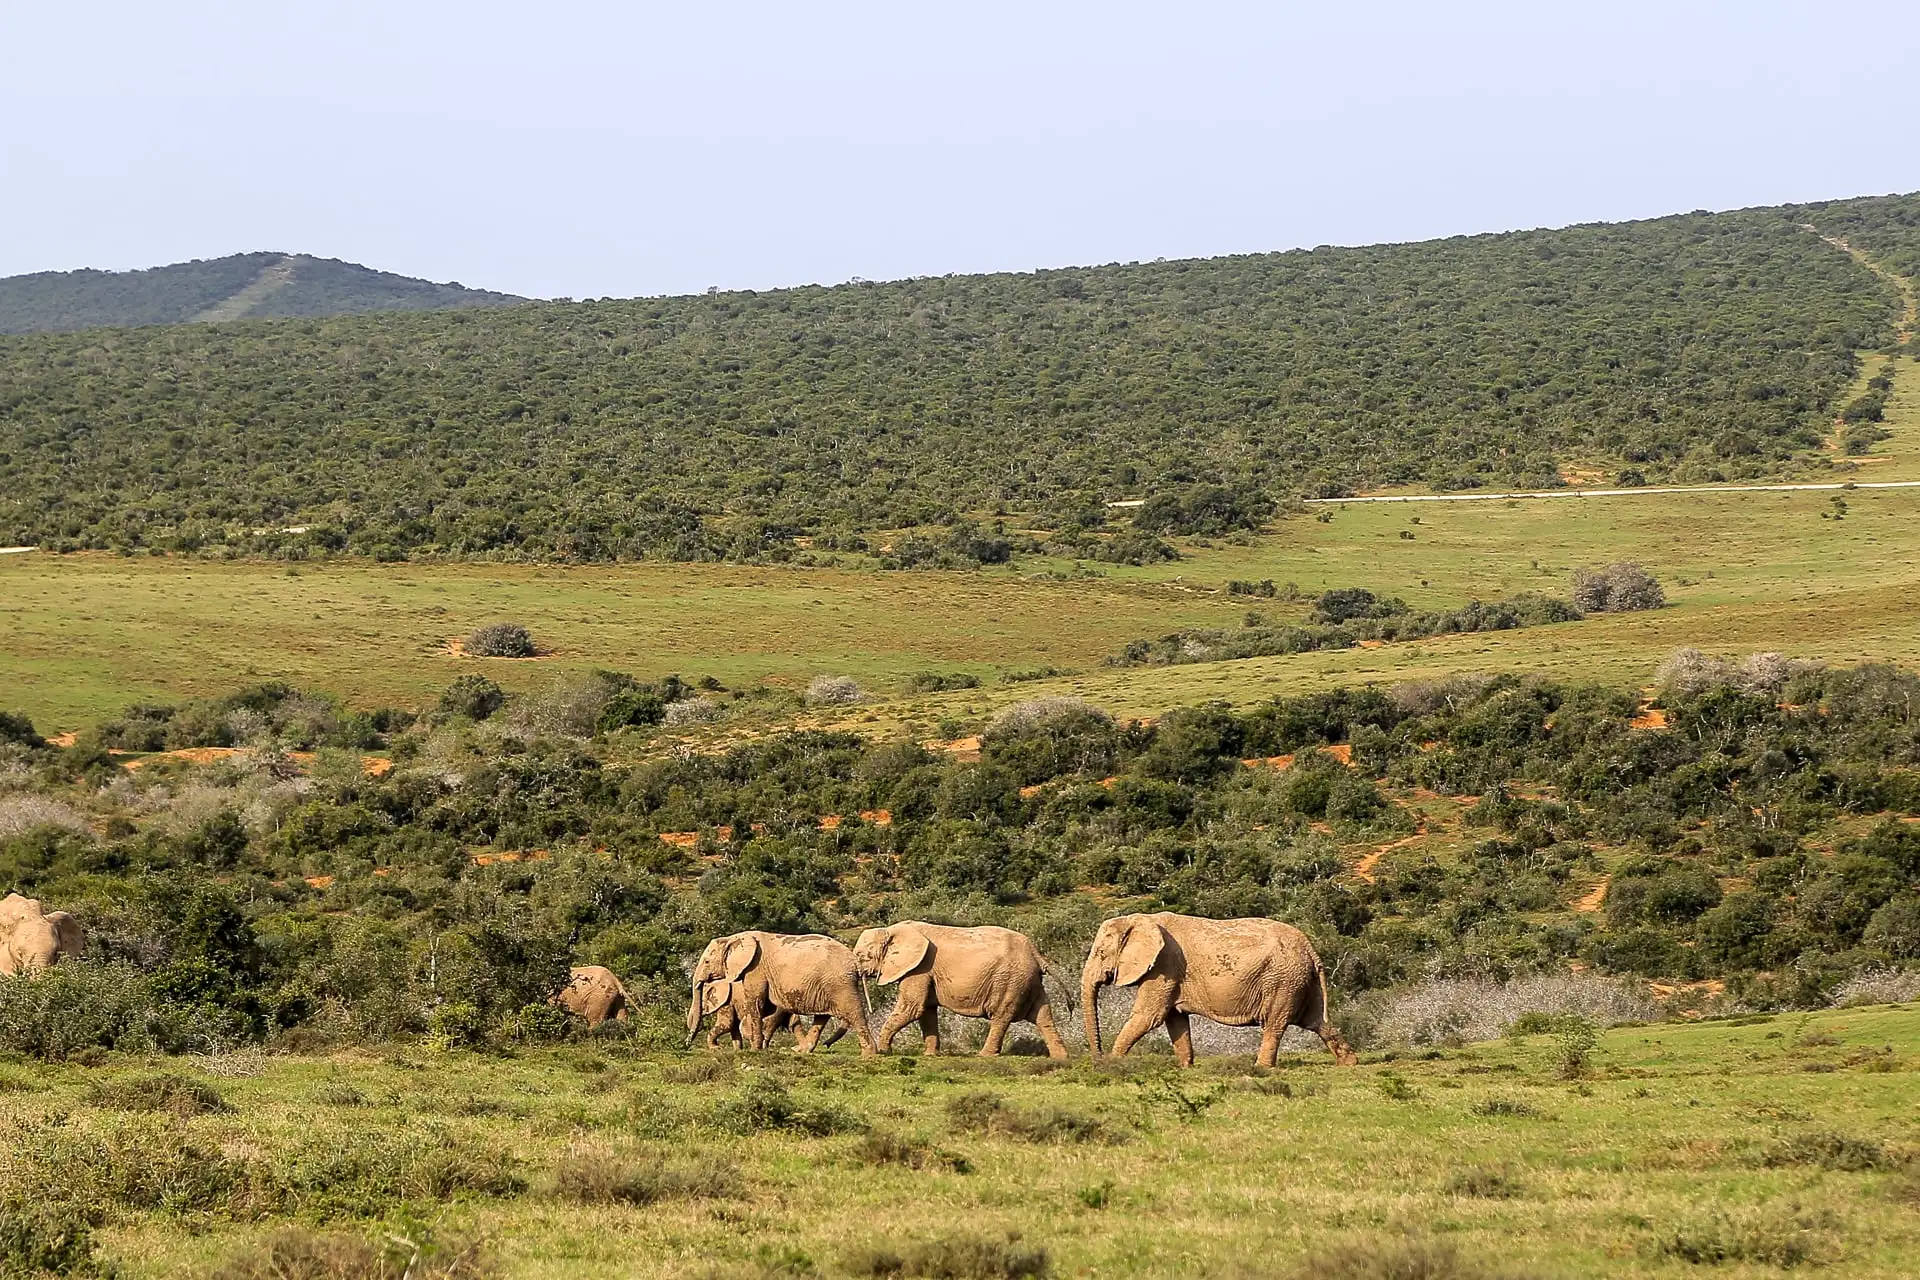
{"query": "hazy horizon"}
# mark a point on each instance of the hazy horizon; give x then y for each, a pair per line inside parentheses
(624, 151)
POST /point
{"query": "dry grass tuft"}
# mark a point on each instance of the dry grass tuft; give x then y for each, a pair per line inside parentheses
(176, 1095)
(954, 1258)
(602, 1175)
(989, 1114)
(882, 1148)
(305, 1255)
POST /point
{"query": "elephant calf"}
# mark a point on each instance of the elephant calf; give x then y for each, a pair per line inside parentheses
(1237, 972)
(32, 939)
(759, 975)
(593, 992)
(987, 972)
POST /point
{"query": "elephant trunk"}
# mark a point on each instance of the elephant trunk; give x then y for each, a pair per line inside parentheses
(1090, 1005)
(693, 1014)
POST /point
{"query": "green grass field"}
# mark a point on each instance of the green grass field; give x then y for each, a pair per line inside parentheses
(86, 635)
(1767, 1140)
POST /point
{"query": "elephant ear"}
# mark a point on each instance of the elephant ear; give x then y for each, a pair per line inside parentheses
(906, 948)
(715, 997)
(740, 954)
(1138, 952)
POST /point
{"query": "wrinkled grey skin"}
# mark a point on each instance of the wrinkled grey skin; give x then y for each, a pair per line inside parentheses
(595, 993)
(1236, 972)
(759, 975)
(985, 972)
(32, 939)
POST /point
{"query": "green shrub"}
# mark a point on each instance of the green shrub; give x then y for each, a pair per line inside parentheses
(1827, 1150)
(472, 696)
(988, 1113)
(766, 1104)
(881, 1148)
(177, 1095)
(953, 1258)
(1484, 1184)
(499, 640)
(1769, 1236)
(48, 1240)
(604, 1175)
(410, 1252)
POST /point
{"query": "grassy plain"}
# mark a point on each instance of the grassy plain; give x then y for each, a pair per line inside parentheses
(1678, 1136)
(86, 635)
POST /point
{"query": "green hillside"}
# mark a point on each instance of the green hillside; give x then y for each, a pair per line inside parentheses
(1690, 348)
(245, 285)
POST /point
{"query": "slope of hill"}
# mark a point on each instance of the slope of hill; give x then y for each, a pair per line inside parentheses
(1694, 348)
(232, 288)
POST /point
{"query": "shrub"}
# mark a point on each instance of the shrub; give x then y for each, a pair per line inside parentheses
(690, 711)
(1484, 1184)
(827, 691)
(499, 640)
(988, 1113)
(329, 1179)
(1456, 1010)
(941, 681)
(953, 1258)
(1827, 1150)
(48, 1240)
(1769, 1236)
(1387, 1257)
(83, 1004)
(1616, 588)
(16, 728)
(411, 1253)
(1507, 1107)
(605, 1176)
(472, 696)
(767, 1105)
(1878, 986)
(881, 1148)
(176, 1095)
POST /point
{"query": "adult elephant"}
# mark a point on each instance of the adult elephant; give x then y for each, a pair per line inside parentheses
(1237, 972)
(32, 938)
(759, 975)
(595, 993)
(985, 972)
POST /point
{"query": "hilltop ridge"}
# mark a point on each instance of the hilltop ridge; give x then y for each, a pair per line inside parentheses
(239, 286)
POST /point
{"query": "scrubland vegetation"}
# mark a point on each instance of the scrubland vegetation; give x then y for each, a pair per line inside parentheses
(725, 426)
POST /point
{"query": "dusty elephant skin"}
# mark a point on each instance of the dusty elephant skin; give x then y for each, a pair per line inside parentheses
(1236, 972)
(32, 939)
(593, 992)
(759, 976)
(985, 972)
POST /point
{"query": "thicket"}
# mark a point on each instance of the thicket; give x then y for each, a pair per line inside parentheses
(231, 901)
(1342, 619)
(725, 426)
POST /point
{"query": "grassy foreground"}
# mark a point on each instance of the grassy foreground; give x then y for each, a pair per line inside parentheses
(1756, 1144)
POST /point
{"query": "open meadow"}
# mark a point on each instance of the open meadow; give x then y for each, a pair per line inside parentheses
(1735, 1149)
(89, 634)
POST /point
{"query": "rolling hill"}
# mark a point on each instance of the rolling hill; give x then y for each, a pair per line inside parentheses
(242, 286)
(1699, 347)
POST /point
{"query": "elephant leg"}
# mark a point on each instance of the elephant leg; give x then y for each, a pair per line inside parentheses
(1180, 1031)
(1270, 1032)
(808, 1039)
(1043, 1019)
(909, 1007)
(930, 1029)
(1147, 1014)
(997, 1028)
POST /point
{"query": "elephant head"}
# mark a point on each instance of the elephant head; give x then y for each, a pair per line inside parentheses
(889, 954)
(1124, 951)
(32, 939)
(724, 963)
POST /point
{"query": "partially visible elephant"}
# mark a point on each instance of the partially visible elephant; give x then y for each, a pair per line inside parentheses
(1237, 972)
(593, 992)
(761, 975)
(986, 972)
(32, 939)
(726, 1024)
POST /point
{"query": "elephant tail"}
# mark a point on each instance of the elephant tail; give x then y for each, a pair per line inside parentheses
(1329, 1034)
(1049, 970)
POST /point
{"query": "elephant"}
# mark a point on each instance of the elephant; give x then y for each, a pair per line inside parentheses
(726, 1024)
(986, 972)
(1236, 972)
(32, 939)
(593, 992)
(760, 975)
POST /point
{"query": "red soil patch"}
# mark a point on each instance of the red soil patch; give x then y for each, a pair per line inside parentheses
(62, 739)
(680, 839)
(1364, 867)
(964, 750)
(1027, 793)
(831, 822)
(192, 755)
(511, 855)
(376, 766)
(877, 817)
(1341, 751)
(1108, 782)
(1276, 763)
(1372, 644)
(1650, 717)
(320, 882)
(1591, 901)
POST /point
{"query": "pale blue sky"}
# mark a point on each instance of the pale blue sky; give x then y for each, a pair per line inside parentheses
(590, 149)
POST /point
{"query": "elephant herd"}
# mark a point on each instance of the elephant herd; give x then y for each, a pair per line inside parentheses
(1240, 973)
(1253, 972)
